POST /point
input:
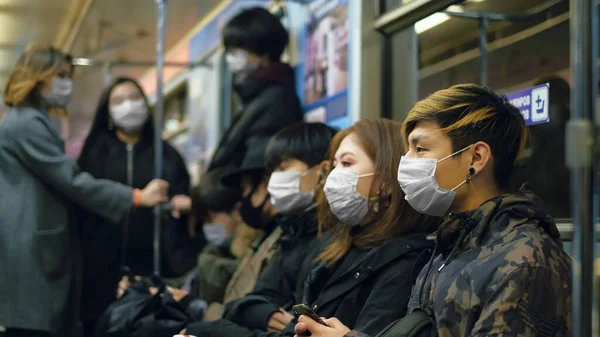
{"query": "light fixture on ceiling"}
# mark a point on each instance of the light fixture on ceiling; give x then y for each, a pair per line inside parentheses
(435, 19)
(80, 61)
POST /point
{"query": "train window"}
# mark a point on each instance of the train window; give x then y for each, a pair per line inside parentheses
(520, 55)
(542, 164)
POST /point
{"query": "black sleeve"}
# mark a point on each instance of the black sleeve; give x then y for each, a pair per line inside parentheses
(271, 292)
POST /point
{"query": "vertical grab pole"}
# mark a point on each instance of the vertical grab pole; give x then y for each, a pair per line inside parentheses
(483, 59)
(107, 73)
(579, 156)
(158, 122)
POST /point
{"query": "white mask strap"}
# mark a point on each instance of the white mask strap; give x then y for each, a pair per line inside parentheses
(455, 153)
(459, 185)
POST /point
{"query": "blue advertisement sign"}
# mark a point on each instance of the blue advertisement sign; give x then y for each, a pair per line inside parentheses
(325, 65)
(533, 103)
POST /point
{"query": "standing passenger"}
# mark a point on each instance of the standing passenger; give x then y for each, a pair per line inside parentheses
(120, 147)
(254, 41)
(39, 246)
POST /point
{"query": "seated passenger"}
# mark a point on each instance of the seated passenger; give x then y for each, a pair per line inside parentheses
(364, 271)
(296, 156)
(218, 208)
(499, 268)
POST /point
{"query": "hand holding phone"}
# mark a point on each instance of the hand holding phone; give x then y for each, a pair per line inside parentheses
(303, 309)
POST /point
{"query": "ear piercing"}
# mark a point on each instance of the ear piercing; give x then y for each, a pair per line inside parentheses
(470, 175)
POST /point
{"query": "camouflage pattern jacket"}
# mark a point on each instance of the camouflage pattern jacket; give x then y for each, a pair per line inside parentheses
(498, 271)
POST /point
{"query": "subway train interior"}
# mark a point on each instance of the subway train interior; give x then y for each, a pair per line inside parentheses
(352, 60)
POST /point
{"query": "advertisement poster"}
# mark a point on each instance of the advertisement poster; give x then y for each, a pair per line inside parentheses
(325, 73)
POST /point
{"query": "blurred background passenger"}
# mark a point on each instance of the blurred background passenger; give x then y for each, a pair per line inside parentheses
(120, 147)
(59, 115)
(254, 41)
(40, 244)
(218, 208)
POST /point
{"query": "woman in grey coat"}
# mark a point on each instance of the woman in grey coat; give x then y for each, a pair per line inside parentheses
(39, 246)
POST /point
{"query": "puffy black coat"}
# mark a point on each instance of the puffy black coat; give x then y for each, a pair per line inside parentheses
(269, 104)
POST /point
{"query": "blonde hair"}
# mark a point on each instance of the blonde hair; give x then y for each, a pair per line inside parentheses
(468, 113)
(37, 64)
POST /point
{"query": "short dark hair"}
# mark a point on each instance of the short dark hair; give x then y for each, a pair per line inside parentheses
(306, 142)
(468, 113)
(258, 31)
(212, 195)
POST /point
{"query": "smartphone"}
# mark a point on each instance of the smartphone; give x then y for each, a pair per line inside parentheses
(303, 309)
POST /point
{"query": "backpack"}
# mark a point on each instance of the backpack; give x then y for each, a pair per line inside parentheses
(416, 324)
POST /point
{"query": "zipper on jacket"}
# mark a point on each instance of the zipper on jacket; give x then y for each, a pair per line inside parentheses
(129, 148)
(130, 164)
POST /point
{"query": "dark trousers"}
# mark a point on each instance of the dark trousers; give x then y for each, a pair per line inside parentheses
(24, 333)
(88, 327)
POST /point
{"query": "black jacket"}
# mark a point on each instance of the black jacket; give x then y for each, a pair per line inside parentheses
(103, 240)
(366, 291)
(269, 104)
(277, 286)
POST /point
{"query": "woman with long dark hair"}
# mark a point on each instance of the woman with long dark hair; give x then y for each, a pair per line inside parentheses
(39, 184)
(120, 147)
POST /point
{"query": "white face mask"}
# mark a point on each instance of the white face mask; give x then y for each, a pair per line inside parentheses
(216, 234)
(284, 189)
(238, 62)
(129, 116)
(416, 177)
(60, 94)
(349, 206)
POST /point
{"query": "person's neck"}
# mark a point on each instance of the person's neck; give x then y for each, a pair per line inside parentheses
(478, 199)
(128, 138)
(221, 218)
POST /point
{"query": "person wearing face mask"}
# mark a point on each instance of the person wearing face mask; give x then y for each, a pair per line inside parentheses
(254, 41)
(218, 207)
(498, 268)
(296, 158)
(373, 243)
(57, 113)
(40, 185)
(120, 148)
